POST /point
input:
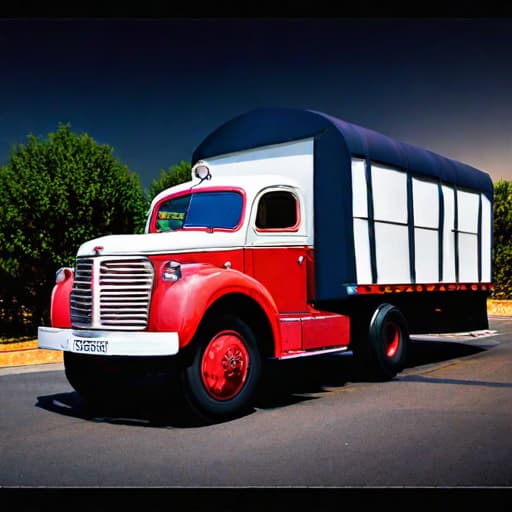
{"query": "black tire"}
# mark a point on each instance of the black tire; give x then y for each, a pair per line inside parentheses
(81, 375)
(382, 353)
(220, 377)
(96, 379)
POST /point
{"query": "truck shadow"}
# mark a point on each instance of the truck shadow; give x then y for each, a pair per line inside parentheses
(288, 382)
(157, 403)
(429, 352)
(149, 408)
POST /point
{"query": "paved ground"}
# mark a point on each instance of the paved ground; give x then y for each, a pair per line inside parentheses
(443, 422)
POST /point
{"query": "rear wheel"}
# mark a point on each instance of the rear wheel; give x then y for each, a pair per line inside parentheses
(221, 377)
(381, 351)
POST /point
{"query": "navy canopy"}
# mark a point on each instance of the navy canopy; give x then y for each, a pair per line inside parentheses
(267, 126)
(335, 142)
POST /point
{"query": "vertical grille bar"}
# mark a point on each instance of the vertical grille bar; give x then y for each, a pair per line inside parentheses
(81, 294)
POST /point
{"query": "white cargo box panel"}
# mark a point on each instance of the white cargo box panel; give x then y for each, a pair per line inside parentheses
(452, 238)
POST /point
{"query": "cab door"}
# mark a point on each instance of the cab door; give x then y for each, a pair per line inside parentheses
(276, 247)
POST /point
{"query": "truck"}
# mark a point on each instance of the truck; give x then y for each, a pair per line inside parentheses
(298, 235)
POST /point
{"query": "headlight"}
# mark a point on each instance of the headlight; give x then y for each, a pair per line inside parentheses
(62, 274)
(171, 271)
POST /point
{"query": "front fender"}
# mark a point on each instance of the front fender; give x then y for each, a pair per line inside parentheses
(60, 314)
(180, 306)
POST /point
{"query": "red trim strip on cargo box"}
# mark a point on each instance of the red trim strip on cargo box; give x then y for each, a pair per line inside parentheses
(434, 287)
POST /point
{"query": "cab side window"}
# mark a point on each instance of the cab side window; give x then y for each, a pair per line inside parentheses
(277, 210)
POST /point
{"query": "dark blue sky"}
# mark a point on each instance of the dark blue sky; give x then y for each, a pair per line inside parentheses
(153, 89)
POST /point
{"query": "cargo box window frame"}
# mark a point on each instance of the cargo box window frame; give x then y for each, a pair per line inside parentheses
(444, 230)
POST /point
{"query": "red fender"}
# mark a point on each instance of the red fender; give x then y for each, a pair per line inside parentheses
(60, 314)
(180, 306)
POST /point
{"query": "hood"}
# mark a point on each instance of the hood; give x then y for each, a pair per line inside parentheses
(161, 243)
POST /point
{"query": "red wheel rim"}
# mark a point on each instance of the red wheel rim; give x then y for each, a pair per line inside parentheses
(391, 338)
(225, 365)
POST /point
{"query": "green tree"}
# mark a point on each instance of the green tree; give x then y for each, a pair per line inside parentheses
(56, 194)
(502, 250)
(175, 175)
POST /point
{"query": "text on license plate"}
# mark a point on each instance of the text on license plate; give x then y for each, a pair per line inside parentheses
(90, 346)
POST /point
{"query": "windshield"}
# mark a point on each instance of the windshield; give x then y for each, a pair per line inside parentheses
(209, 210)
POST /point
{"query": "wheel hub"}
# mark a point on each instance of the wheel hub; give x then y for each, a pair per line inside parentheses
(391, 339)
(225, 365)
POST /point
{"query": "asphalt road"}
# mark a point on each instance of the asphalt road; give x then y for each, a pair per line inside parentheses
(446, 421)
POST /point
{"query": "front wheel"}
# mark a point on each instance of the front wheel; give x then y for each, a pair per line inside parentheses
(99, 379)
(221, 377)
(82, 372)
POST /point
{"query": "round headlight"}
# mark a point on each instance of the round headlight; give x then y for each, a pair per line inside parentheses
(171, 271)
(62, 274)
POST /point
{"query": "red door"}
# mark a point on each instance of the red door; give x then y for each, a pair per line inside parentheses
(276, 247)
(283, 271)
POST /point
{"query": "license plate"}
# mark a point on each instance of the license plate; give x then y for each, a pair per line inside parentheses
(90, 346)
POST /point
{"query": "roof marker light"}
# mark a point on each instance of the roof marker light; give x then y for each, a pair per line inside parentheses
(201, 171)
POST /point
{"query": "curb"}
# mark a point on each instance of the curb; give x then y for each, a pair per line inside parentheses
(27, 353)
(499, 307)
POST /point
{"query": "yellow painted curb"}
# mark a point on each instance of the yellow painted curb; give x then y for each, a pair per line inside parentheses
(27, 353)
(499, 307)
(22, 345)
(30, 356)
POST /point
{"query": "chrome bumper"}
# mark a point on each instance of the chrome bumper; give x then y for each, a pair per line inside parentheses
(109, 343)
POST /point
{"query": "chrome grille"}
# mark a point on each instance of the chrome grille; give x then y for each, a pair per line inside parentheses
(81, 295)
(125, 288)
(112, 293)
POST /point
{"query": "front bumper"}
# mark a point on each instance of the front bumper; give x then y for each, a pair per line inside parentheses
(109, 343)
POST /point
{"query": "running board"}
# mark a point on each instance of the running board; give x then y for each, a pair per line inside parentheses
(307, 353)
